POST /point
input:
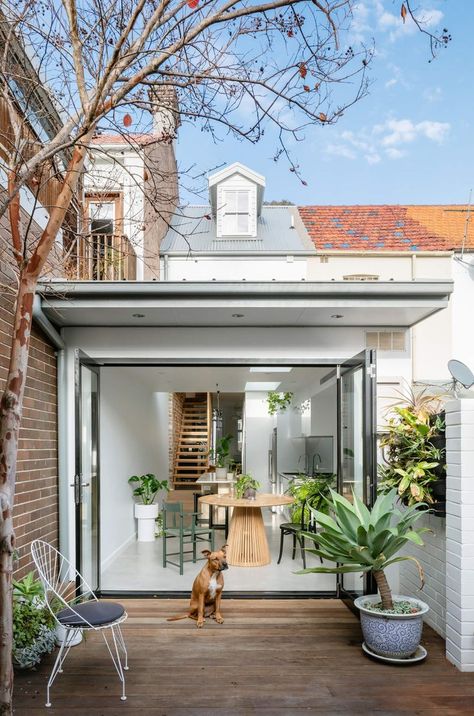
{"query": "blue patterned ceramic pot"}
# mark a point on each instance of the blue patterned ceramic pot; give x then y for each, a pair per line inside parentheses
(396, 636)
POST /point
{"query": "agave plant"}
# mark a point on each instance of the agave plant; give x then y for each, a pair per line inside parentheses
(363, 540)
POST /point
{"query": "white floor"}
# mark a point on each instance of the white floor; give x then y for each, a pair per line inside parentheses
(139, 568)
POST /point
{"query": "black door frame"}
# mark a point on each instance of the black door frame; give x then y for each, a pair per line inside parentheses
(366, 361)
(335, 364)
(82, 359)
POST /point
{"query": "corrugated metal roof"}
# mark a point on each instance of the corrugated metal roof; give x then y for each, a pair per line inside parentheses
(193, 228)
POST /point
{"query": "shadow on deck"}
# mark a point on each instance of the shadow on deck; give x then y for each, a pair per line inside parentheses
(286, 657)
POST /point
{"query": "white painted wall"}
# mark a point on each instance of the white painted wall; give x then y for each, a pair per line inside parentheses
(324, 415)
(460, 534)
(432, 558)
(258, 437)
(250, 268)
(121, 170)
(133, 440)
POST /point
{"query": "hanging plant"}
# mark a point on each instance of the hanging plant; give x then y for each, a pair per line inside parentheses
(413, 454)
(278, 402)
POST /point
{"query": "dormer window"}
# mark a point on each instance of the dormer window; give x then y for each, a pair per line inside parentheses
(235, 212)
(236, 197)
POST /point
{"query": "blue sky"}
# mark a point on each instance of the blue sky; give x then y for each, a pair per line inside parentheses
(410, 141)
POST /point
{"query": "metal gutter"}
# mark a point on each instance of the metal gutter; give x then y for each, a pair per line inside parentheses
(255, 254)
(46, 326)
(286, 290)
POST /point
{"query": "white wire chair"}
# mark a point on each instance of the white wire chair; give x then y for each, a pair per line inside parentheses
(61, 582)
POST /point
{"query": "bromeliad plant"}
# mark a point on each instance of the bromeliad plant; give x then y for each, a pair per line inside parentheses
(412, 460)
(148, 487)
(363, 540)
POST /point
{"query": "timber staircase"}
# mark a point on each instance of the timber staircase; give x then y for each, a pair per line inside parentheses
(192, 449)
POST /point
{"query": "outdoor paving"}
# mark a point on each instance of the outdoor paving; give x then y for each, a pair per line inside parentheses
(286, 657)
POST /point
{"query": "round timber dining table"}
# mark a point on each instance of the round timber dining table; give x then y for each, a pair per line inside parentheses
(247, 540)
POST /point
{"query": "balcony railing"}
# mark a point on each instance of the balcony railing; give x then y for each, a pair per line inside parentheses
(104, 257)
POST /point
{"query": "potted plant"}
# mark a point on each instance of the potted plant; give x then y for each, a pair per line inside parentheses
(246, 487)
(33, 623)
(146, 511)
(309, 490)
(414, 451)
(222, 456)
(363, 540)
(278, 402)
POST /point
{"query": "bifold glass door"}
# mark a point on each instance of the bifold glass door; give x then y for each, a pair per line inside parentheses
(356, 391)
(86, 479)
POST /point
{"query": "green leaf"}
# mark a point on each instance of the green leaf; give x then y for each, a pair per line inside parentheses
(333, 570)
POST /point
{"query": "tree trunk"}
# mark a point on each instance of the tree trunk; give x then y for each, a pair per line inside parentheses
(11, 406)
(384, 589)
(10, 417)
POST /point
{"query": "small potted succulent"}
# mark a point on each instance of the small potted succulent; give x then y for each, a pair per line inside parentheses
(222, 453)
(246, 487)
(146, 488)
(33, 623)
(361, 540)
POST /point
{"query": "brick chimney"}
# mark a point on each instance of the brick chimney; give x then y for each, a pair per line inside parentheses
(161, 175)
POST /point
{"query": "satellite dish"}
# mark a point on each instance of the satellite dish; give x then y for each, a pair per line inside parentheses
(461, 373)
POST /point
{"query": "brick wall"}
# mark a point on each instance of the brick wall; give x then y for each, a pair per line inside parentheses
(460, 534)
(432, 558)
(36, 500)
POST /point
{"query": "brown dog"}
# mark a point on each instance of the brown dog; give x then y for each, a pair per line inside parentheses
(207, 590)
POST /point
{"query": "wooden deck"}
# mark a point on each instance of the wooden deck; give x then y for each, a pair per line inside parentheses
(287, 657)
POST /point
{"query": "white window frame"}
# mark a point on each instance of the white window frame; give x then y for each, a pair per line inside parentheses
(224, 203)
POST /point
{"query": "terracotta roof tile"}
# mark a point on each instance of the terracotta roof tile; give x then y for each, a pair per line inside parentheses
(388, 228)
(129, 138)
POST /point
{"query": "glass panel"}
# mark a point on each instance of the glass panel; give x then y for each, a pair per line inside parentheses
(102, 217)
(352, 453)
(89, 477)
(243, 223)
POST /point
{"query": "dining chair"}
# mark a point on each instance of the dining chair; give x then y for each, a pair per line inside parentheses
(295, 529)
(183, 526)
(75, 607)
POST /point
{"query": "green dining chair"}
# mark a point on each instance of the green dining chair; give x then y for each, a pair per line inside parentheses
(184, 527)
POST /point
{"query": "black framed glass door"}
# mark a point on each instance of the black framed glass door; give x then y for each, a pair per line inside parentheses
(356, 469)
(86, 479)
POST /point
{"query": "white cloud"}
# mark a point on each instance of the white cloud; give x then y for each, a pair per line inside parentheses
(373, 158)
(393, 153)
(391, 83)
(389, 139)
(433, 94)
(340, 150)
(404, 131)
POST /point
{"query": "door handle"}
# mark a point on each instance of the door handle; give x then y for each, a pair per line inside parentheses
(78, 485)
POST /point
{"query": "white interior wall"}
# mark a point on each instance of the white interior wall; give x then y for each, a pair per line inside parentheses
(133, 440)
(258, 437)
(324, 415)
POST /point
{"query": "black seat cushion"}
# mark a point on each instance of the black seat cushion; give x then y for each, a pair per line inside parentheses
(94, 613)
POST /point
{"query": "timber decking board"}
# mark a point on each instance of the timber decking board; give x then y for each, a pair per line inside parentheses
(270, 657)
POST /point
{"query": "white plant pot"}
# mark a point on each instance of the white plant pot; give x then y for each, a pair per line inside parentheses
(59, 635)
(146, 516)
(230, 475)
(221, 473)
